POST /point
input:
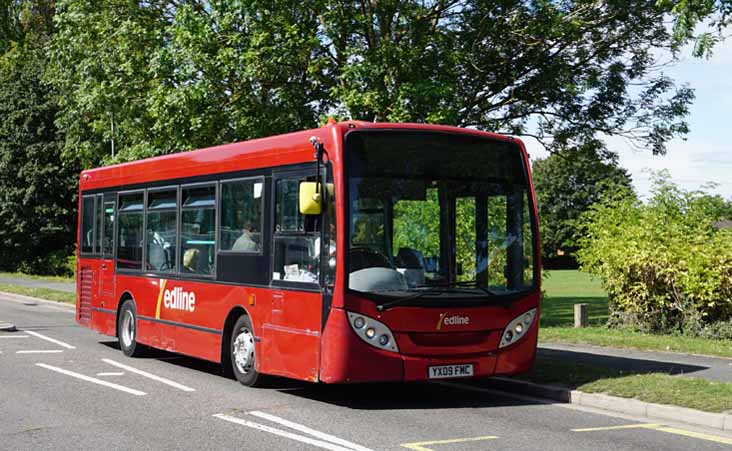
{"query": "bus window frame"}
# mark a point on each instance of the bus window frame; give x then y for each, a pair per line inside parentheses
(301, 173)
(176, 269)
(215, 183)
(530, 199)
(113, 196)
(116, 231)
(93, 252)
(262, 213)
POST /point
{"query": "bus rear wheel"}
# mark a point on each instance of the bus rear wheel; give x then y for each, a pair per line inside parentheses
(241, 350)
(127, 330)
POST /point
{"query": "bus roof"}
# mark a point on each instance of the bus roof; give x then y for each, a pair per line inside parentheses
(285, 149)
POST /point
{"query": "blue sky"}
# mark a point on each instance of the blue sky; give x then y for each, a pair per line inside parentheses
(706, 155)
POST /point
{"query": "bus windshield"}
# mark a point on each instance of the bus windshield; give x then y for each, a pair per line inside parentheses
(437, 215)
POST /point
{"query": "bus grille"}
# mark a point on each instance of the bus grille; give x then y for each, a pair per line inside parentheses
(85, 295)
(451, 338)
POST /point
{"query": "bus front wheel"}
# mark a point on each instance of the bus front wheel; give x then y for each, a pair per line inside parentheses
(242, 353)
(127, 330)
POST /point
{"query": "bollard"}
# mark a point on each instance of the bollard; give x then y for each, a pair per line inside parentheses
(580, 315)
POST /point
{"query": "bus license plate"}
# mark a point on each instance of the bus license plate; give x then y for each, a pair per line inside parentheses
(444, 371)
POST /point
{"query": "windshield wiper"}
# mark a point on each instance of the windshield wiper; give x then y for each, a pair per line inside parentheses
(438, 289)
(405, 299)
(470, 284)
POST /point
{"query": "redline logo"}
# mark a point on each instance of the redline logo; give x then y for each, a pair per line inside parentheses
(454, 320)
(177, 299)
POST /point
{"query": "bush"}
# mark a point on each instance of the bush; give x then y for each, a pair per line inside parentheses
(54, 264)
(664, 264)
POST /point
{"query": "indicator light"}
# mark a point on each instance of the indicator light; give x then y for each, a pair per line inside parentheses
(359, 322)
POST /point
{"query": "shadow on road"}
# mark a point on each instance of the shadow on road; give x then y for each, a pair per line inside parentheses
(571, 369)
(557, 367)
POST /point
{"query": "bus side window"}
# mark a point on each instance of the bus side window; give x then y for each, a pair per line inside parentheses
(241, 216)
(296, 236)
(108, 227)
(130, 237)
(198, 230)
(162, 230)
(86, 240)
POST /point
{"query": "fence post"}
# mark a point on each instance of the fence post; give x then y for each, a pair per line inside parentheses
(580, 315)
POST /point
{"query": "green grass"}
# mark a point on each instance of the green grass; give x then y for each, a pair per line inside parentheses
(30, 276)
(688, 392)
(628, 339)
(568, 287)
(564, 288)
(42, 293)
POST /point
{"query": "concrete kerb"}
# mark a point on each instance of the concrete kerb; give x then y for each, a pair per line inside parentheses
(627, 406)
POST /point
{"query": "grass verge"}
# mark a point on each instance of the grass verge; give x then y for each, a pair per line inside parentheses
(626, 339)
(20, 275)
(564, 288)
(658, 388)
(42, 293)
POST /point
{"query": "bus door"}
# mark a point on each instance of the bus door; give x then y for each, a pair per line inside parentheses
(291, 337)
(106, 214)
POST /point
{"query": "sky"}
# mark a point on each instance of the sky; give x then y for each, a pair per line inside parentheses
(706, 154)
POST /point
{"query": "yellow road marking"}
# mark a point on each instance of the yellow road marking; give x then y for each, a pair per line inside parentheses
(626, 426)
(666, 429)
(699, 435)
(422, 446)
(160, 298)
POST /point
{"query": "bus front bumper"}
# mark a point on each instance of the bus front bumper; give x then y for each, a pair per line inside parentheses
(345, 358)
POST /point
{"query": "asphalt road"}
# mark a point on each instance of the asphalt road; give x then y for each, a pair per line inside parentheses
(65, 387)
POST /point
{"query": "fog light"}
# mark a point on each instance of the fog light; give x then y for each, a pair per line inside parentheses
(508, 336)
(370, 332)
(359, 322)
(519, 328)
(383, 340)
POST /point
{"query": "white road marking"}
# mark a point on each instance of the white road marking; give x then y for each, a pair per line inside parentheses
(40, 351)
(52, 340)
(281, 433)
(14, 336)
(111, 374)
(613, 428)
(93, 380)
(309, 431)
(148, 375)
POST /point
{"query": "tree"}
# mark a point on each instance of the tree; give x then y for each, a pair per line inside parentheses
(37, 199)
(716, 15)
(183, 75)
(567, 183)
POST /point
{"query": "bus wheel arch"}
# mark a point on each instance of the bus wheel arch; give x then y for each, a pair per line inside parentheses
(126, 296)
(127, 328)
(238, 320)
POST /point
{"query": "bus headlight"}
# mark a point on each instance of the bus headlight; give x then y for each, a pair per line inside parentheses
(517, 328)
(368, 329)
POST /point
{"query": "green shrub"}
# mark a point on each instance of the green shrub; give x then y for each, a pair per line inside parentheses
(664, 264)
(57, 263)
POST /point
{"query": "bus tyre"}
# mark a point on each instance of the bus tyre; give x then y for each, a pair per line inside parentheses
(127, 330)
(242, 353)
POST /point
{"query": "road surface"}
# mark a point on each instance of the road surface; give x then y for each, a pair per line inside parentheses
(65, 387)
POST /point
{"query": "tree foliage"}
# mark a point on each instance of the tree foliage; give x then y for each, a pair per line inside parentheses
(179, 75)
(567, 183)
(664, 263)
(37, 199)
(713, 16)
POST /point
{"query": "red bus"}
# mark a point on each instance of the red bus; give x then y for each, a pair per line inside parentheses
(356, 252)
